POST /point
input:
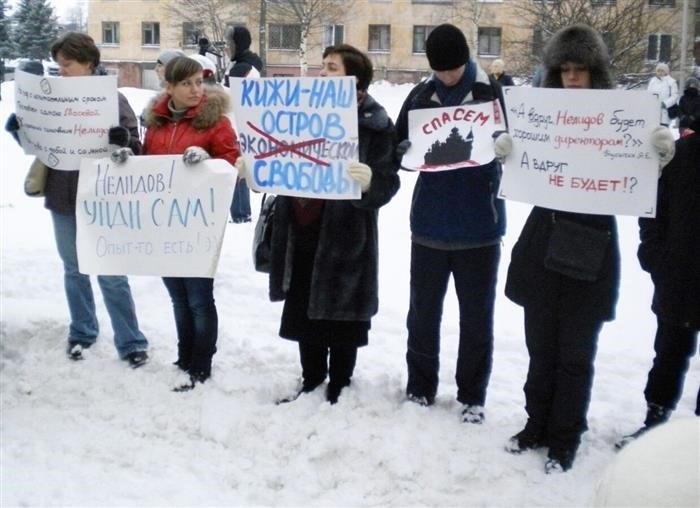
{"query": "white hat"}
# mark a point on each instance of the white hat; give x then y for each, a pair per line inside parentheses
(205, 62)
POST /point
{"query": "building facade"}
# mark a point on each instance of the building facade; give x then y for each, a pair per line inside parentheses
(132, 34)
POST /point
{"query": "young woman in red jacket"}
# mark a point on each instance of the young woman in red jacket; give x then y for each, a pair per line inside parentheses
(190, 119)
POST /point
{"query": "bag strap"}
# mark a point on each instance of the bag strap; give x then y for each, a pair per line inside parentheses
(262, 203)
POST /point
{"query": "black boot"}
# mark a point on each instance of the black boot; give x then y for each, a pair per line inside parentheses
(656, 415)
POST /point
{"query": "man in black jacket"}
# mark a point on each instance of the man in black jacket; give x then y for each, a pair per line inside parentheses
(244, 64)
(670, 252)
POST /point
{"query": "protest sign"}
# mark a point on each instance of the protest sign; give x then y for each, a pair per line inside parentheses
(585, 151)
(64, 120)
(454, 137)
(298, 134)
(152, 215)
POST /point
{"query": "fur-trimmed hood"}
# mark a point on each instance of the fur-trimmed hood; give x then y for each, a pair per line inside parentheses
(580, 44)
(215, 104)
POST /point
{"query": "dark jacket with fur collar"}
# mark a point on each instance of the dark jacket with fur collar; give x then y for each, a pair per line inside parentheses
(344, 280)
(205, 125)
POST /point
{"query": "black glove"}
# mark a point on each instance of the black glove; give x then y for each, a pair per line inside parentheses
(119, 136)
(402, 148)
(12, 126)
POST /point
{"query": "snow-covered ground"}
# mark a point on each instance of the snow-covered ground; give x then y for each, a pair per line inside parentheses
(97, 433)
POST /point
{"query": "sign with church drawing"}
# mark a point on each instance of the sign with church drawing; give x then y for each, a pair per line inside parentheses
(453, 137)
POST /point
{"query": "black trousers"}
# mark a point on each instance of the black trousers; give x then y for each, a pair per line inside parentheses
(318, 361)
(674, 346)
(474, 271)
(562, 345)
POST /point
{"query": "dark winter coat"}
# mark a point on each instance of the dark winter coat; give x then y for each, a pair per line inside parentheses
(205, 125)
(455, 209)
(688, 108)
(243, 60)
(344, 283)
(62, 186)
(670, 243)
(532, 285)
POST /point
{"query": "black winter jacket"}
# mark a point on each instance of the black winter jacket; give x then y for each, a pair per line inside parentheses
(670, 243)
(532, 285)
(344, 283)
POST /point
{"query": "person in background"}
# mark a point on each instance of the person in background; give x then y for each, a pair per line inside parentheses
(670, 251)
(324, 260)
(689, 107)
(191, 119)
(208, 69)
(497, 73)
(77, 55)
(565, 307)
(165, 56)
(244, 64)
(457, 222)
(666, 88)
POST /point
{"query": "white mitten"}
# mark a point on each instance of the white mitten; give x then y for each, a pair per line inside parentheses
(503, 146)
(194, 154)
(664, 144)
(361, 173)
(120, 155)
(241, 167)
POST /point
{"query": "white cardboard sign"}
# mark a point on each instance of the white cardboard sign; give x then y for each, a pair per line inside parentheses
(298, 134)
(153, 215)
(452, 137)
(584, 151)
(64, 120)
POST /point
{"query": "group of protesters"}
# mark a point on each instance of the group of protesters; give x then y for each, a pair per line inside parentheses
(324, 253)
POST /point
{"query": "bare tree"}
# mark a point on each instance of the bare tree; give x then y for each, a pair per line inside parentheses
(468, 13)
(310, 16)
(75, 16)
(624, 25)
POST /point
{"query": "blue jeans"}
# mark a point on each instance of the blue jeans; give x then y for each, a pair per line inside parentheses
(240, 206)
(116, 293)
(196, 321)
(474, 271)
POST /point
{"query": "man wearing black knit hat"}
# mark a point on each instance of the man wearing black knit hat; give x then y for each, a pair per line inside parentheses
(457, 223)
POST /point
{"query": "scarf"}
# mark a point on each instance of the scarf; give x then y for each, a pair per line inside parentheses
(454, 95)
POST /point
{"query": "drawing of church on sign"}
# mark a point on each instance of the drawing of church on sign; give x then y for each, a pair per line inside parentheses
(454, 149)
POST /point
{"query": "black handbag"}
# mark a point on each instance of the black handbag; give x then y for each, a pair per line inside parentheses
(576, 250)
(262, 239)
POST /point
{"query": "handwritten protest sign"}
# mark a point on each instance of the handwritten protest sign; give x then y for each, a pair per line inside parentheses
(152, 215)
(298, 134)
(454, 137)
(64, 120)
(583, 151)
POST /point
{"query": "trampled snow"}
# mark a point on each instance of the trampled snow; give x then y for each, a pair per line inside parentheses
(97, 433)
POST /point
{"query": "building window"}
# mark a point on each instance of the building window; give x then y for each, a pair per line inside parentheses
(420, 34)
(662, 3)
(333, 35)
(150, 34)
(379, 38)
(659, 48)
(284, 36)
(110, 32)
(601, 3)
(190, 33)
(489, 41)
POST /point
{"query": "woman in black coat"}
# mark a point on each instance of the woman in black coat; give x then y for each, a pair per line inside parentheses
(325, 252)
(564, 312)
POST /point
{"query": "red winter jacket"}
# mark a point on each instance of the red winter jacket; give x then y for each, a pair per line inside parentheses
(205, 125)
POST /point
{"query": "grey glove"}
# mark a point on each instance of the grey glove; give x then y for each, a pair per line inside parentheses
(118, 136)
(194, 154)
(120, 155)
(403, 147)
(664, 145)
(503, 146)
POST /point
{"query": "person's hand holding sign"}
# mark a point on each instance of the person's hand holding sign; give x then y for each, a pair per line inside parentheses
(502, 145)
(194, 154)
(361, 173)
(664, 144)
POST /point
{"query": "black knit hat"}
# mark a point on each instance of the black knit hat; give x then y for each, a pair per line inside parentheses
(446, 48)
(579, 44)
